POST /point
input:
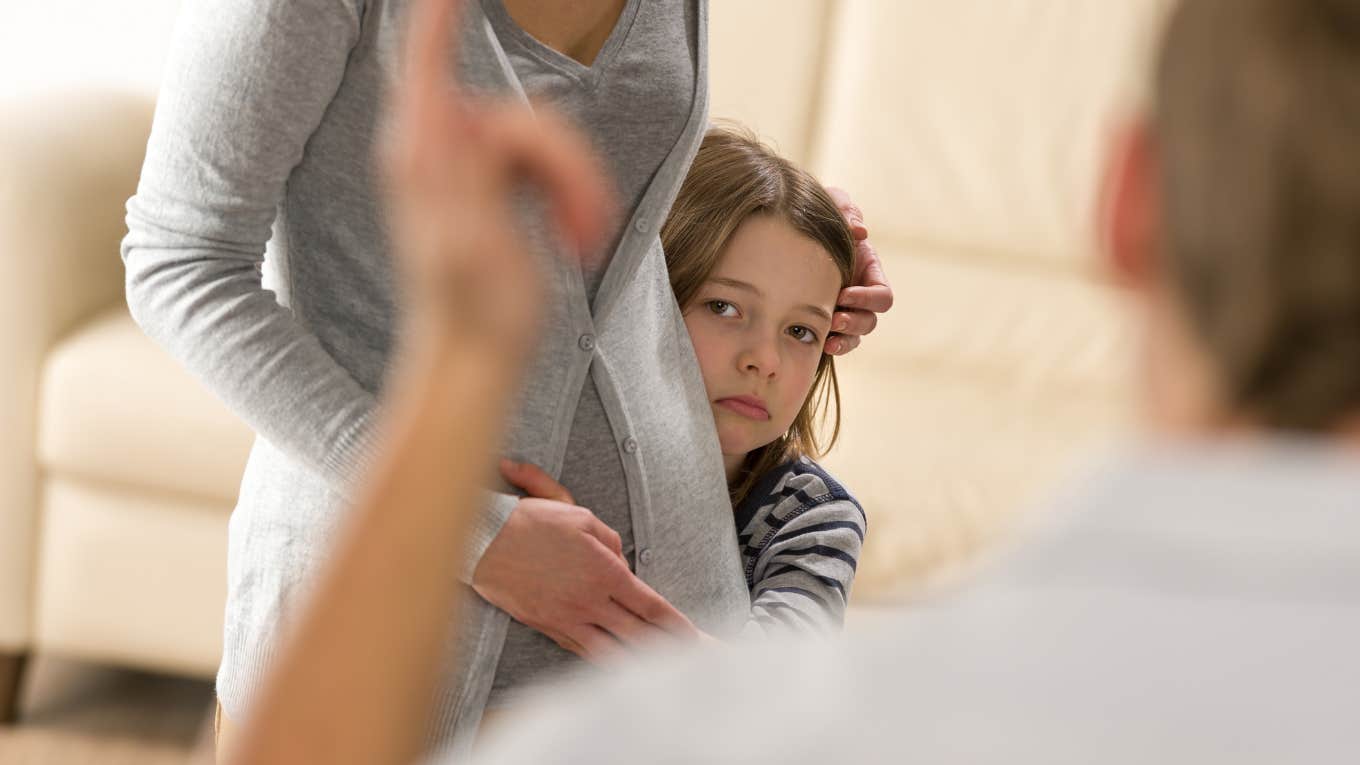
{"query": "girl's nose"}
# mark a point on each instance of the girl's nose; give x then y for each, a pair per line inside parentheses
(760, 355)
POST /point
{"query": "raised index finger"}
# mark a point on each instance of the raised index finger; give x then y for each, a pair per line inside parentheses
(547, 151)
(431, 43)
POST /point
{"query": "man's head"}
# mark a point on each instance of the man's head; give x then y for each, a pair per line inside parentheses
(1234, 212)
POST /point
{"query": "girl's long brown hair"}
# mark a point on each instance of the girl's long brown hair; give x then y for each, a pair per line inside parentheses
(735, 176)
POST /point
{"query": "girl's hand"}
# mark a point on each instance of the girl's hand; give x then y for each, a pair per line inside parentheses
(451, 166)
(868, 295)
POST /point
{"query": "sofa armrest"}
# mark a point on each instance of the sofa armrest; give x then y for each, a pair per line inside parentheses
(68, 164)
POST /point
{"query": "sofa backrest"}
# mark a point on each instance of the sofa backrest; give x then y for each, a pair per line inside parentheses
(974, 125)
(973, 134)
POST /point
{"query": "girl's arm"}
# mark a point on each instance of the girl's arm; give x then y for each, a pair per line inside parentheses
(802, 546)
(804, 572)
(357, 672)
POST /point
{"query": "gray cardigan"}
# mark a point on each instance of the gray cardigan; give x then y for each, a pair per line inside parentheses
(260, 161)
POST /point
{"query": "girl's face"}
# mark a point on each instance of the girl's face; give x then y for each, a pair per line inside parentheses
(758, 325)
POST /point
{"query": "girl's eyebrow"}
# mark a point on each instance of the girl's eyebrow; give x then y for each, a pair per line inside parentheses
(753, 289)
(737, 284)
(820, 312)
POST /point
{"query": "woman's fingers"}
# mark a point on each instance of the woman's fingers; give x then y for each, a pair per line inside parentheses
(840, 345)
(626, 627)
(565, 642)
(596, 644)
(532, 480)
(869, 294)
(854, 217)
(877, 298)
(614, 629)
(609, 538)
(649, 606)
(854, 322)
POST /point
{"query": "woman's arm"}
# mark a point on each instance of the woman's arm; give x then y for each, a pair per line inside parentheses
(357, 671)
(247, 82)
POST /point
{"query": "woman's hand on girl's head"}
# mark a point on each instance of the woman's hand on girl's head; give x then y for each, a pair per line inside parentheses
(451, 164)
(868, 295)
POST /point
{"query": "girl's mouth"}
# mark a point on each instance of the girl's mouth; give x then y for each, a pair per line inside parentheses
(750, 407)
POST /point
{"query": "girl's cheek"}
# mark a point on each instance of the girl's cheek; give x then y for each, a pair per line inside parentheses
(712, 356)
(806, 373)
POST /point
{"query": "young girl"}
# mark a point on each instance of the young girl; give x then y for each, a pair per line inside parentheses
(757, 252)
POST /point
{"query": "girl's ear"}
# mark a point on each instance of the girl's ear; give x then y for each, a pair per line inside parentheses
(1129, 219)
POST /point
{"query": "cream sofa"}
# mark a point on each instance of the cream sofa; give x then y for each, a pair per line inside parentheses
(970, 132)
(117, 472)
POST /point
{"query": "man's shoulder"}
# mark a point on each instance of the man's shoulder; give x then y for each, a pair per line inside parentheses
(650, 710)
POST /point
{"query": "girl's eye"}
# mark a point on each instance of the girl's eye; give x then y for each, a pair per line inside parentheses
(803, 334)
(721, 308)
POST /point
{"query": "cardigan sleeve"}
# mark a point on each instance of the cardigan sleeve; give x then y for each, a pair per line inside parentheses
(247, 84)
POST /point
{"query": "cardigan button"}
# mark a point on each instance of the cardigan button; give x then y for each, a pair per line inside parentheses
(630, 445)
(586, 342)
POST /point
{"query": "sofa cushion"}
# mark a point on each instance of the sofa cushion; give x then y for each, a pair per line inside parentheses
(115, 407)
(131, 577)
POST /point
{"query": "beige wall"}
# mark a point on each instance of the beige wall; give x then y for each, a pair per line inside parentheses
(766, 58)
(50, 44)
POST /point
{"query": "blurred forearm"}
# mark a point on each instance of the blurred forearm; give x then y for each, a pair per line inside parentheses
(354, 681)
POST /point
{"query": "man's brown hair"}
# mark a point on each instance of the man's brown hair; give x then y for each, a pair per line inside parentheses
(1257, 126)
(734, 177)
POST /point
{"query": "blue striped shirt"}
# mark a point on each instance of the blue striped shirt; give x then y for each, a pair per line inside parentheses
(800, 534)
